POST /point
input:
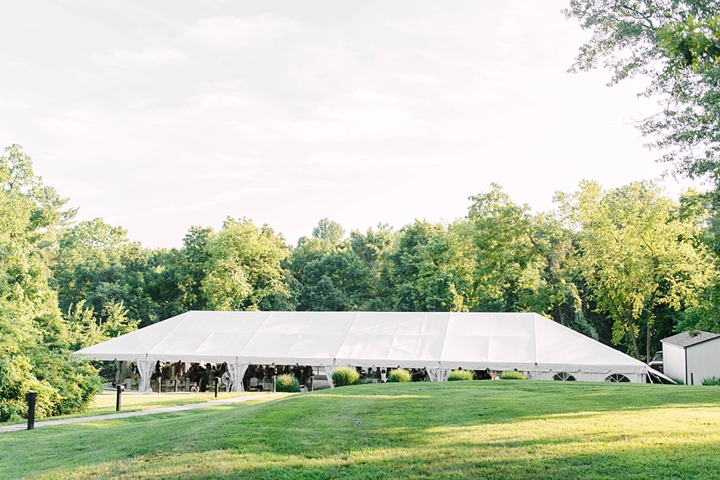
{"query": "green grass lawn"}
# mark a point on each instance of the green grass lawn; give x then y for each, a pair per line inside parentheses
(503, 429)
(104, 403)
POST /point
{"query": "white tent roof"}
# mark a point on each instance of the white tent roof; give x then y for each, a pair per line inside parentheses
(473, 341)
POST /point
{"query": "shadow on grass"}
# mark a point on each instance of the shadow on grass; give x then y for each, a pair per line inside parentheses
(375, 431)
(453, 461)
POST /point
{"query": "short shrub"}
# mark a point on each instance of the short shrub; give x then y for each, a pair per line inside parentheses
(343, 376)
(64, 383)
(287, 383)
(678, 381)
(713, 381)
(512, 375)
(399, 375)
(460, 375)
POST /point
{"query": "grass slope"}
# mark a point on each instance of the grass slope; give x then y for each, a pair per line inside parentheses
(485, 429)
(104, 403)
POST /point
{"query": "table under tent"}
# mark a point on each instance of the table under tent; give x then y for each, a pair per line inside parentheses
(435, 343)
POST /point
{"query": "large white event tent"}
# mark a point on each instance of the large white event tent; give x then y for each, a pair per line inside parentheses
(438, 342)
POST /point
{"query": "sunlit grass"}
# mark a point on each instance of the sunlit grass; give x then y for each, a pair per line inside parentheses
(132, 401)
(104, 403)
(454, 430)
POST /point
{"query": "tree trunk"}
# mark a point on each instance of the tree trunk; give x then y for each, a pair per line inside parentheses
(649, 307)
(560, 315)
(632, 335)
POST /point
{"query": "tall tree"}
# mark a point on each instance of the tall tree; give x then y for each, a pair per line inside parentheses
(194, 257)
(243, 269)
(33, 336)
(98, 265)
(326, 238)
(507, 263)
(636, 252)
(337, 281)
(86, 252)
(330, 276)
(424, 272)
(675, 46)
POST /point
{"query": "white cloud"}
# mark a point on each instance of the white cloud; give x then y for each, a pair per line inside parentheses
(146, 58)
(220, 100)
(228, 32)
(379, 113)
(224, 198)
(421, 78)
(6, 138)
(364, 115)
(335, 163)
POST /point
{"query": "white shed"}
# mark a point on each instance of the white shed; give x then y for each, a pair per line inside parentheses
(692, 356)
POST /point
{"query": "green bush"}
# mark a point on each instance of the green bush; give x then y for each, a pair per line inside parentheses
(287, 383)
(460, 375)
(75, 380)
(399, 375)
(16, 379)
(512, 375)
(64, 384)
(343, 376)
(713, 381)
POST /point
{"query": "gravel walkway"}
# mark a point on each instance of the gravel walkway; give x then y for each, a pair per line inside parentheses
(113, 416)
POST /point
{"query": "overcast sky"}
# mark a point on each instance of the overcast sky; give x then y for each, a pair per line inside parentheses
(161, 115)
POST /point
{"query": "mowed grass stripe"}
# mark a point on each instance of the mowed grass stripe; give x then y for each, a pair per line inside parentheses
(454, 430)
(104, 403)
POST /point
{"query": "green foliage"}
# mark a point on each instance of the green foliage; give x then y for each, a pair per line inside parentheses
(627, 265)
(34, 337)
(425, 270)
(87, 330)
(190, 268)
(520, 262)
(460, 375)
(98, 269)
(334, 282)
(506, 262)
(399, 375)
(343, 376)
(287, 383)
(331, 276)
(501, 258)
(17, 379)
(674, 47)
(711, 381)
(512, 375)
(75, 381)
(692, 43)
(636, 253)
(243, 269)
(328, 231)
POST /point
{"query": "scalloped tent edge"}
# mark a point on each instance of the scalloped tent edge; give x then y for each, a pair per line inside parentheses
(438, 342)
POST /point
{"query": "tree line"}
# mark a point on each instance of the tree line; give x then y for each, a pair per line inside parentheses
(626, 266)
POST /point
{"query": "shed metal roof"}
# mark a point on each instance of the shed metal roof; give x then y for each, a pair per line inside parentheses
(690, 338)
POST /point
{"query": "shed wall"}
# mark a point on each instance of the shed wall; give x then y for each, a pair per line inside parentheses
(703, 361)
(674, 362)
